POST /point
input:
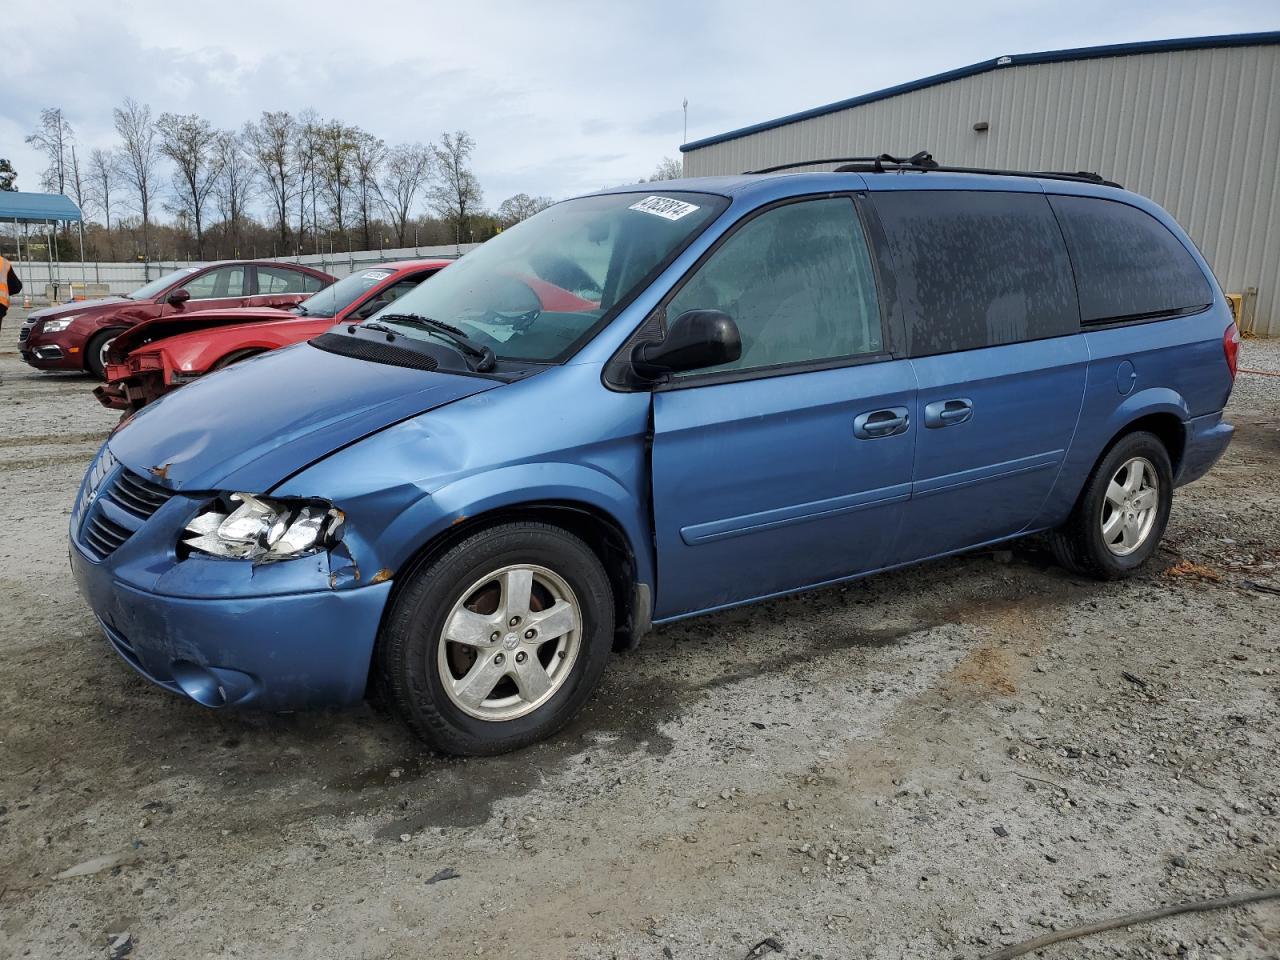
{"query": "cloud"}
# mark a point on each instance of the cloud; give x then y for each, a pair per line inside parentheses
(561, 96)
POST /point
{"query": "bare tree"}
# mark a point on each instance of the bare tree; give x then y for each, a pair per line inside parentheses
(234, 183)
(305, 153)
(367, 159)
(335, 167)
(520, 207)
(406, 171)
(54, 139)
(269, 143)
(76, 183)
(457, 194)
(667, 169)
(190, 141)
(102, 175)
(138, 159)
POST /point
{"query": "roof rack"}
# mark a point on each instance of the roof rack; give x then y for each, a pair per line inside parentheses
(923, 162)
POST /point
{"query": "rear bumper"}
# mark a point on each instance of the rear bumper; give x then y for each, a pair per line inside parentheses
(1207, 438)
(287, 652)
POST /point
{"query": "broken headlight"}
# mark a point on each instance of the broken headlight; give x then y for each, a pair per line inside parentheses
(260, 529)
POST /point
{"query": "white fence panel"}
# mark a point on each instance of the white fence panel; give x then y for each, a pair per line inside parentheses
(122, 278)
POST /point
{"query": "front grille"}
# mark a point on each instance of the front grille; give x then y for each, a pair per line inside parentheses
(140, 497)
(24, 332)
(103, 536)
(133, 499)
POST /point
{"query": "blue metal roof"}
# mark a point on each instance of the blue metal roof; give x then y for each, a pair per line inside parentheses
(37, 207)
(1015, 60)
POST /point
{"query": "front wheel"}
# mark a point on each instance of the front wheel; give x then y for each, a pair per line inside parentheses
(498, 642)
(1121, 515)
(95, 352)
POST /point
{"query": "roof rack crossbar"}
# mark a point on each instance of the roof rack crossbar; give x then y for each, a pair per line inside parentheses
(921, 157)
(923, 161)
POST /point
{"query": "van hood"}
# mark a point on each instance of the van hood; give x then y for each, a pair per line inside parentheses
(252, 425)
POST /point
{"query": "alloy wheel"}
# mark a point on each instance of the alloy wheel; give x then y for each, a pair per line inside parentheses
(1130, 506)
(509, 642)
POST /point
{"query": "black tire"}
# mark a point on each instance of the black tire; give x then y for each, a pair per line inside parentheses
(1079, 544)
(408, 671)
(93, 351)
(235, 357)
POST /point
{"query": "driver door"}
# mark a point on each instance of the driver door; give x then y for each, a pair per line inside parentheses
(216, 289)
(789, 467)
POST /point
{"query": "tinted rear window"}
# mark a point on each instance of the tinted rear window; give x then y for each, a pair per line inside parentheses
(978, 269)
(1128, 264)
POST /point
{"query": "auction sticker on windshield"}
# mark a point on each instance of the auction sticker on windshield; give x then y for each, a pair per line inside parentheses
(664, 207)
(375, 274)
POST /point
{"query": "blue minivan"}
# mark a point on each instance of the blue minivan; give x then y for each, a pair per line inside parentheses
(649, 403)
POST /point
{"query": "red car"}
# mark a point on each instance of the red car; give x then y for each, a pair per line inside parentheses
(160, 355)
(74, 336)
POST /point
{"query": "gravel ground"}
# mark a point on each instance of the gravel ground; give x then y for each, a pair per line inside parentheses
(930, 763)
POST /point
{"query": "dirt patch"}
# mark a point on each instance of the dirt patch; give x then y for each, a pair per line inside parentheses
(928, 763)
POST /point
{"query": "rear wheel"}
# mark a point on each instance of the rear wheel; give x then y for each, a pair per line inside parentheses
(1121, 515)
(498, 642)
(95, 352)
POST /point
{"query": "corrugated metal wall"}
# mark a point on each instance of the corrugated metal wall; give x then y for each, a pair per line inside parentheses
(1198, 131)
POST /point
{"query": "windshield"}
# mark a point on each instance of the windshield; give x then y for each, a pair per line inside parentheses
(536, 291)
(332, 300)
(157, 287)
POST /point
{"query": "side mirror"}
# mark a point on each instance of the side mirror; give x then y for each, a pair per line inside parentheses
(695, 339)
(178, 297)
(372, 307)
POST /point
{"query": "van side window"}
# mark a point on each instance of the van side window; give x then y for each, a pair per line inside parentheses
(797, 280)
(977, 268)
(1128, 265)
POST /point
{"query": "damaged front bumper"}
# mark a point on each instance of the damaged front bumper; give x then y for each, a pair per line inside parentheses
(292, 634)
(131, 385)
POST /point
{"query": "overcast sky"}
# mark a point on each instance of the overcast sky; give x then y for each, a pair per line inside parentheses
(561, 97)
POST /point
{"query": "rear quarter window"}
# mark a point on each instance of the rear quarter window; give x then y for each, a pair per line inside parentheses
(977, 268)
(1128, 265)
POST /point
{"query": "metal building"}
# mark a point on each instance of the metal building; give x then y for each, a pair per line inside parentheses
(1192, 123)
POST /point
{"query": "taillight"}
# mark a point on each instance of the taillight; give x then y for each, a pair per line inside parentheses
(1231, 348)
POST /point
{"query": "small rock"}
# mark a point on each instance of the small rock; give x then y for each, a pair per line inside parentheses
(999, 830)
(1179, 861)
(448, 873)
(120, 945)
(726, 794)
(406, 837)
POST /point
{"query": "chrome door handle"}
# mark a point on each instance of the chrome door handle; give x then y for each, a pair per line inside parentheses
(881, 423)
(948, 413)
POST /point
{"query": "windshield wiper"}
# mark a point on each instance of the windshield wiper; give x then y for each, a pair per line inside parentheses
(485, 358)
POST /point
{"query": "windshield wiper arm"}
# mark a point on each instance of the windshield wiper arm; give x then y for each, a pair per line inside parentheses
(485, 358)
